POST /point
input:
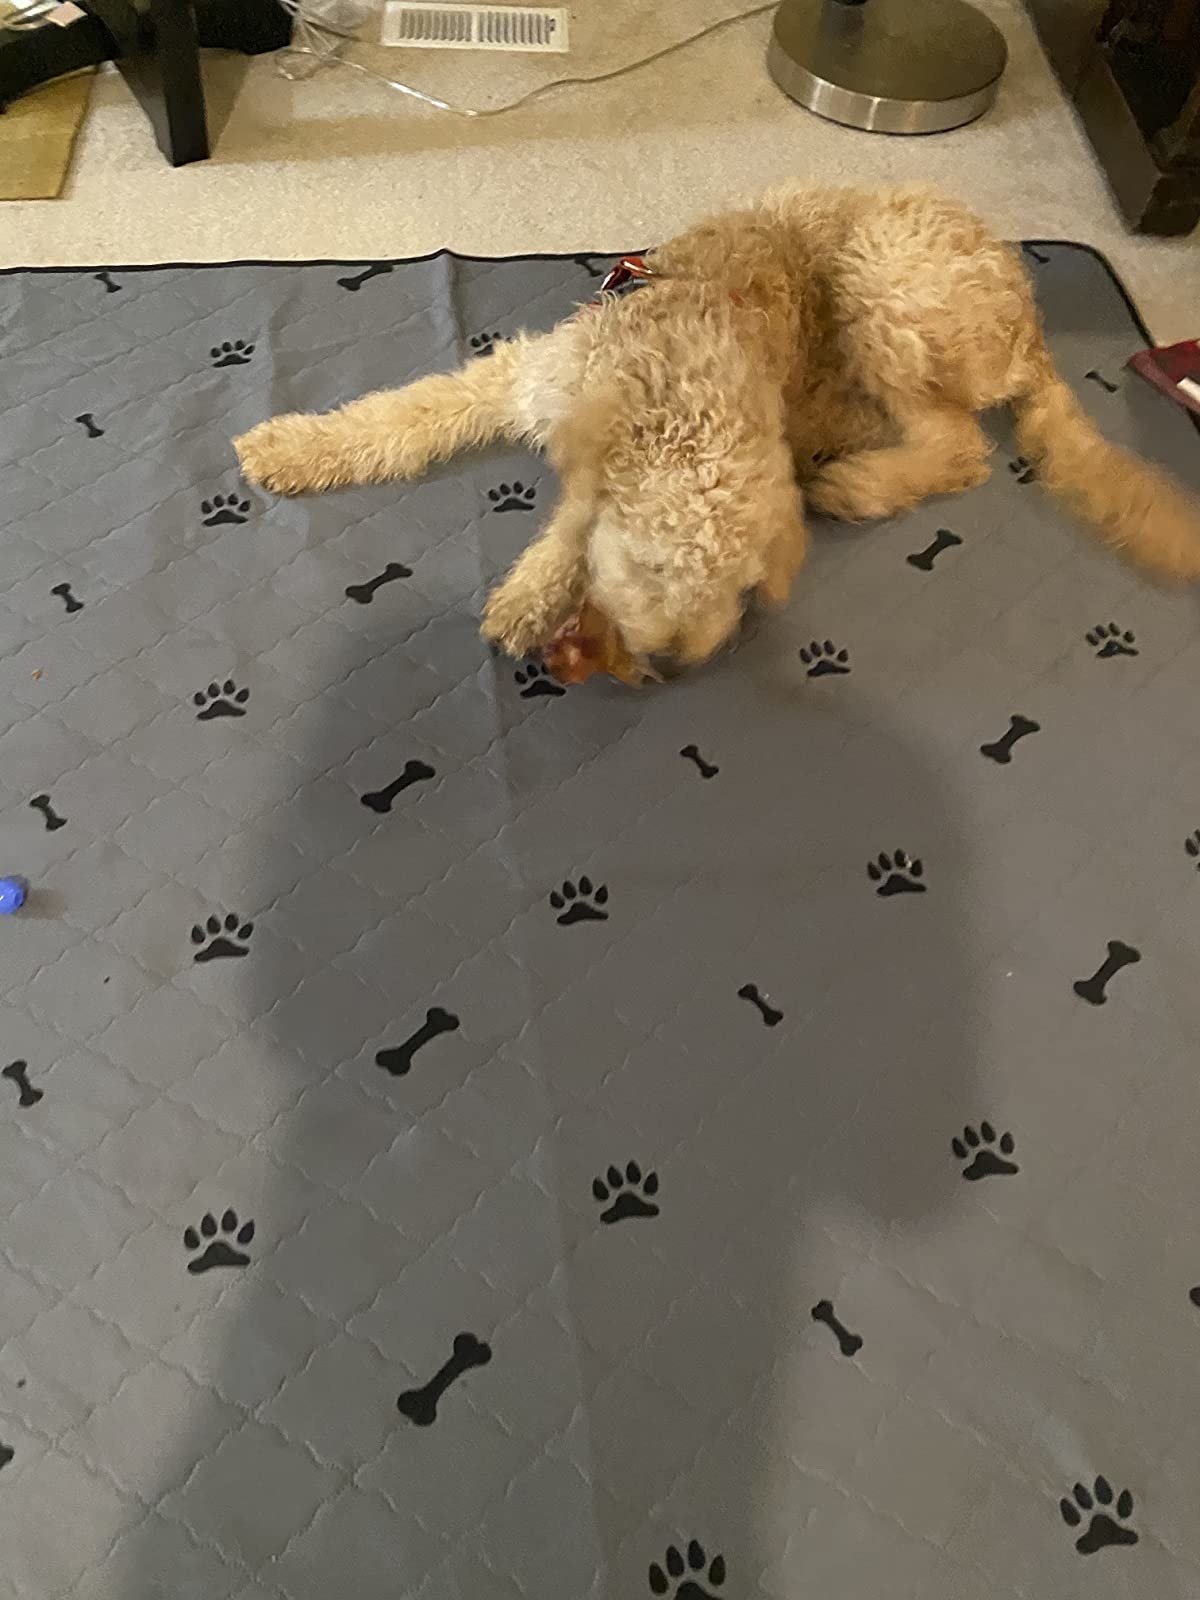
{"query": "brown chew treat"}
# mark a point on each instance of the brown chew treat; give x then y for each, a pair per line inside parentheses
(588, 643)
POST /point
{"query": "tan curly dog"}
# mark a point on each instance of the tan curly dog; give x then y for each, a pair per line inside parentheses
(828, 347)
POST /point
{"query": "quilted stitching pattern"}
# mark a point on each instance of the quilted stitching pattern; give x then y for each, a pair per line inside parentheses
(620, 1031)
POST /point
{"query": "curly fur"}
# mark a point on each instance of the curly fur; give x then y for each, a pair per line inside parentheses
(833, 346)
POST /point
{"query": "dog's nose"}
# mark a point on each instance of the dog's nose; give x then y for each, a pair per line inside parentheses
(665, 666)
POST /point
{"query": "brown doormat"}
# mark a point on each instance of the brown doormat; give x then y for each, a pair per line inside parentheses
(37, 135)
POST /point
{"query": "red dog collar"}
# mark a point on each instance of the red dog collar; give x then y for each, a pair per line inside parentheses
(629, 269)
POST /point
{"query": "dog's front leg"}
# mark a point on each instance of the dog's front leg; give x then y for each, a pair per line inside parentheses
(782, 560)
(545, 584)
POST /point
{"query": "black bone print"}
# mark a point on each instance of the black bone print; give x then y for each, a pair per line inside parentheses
(1023, 470)
(364, 593)
(1093, 989)
(848, 1343)
(420, 1405)
(41, 802)
(751, 992)
(1000, 750)
(6, 1454)
(18, 1072)
(589, 266)
(380, 800)
(1099, 378)
(355, 283)
(398, 1059)
(106, 278)
(87, 420)
(690, 752)
(923, 559)
(63, 591)
(1036, 254)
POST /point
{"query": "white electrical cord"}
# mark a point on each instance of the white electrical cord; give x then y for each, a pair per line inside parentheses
(317, 41)
(25, 14)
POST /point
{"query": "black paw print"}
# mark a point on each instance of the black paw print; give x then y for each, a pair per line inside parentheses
(235, 354)
(219, 1245)
(216, 938)
(1023, 471)
(1108, 640)
(981, 1149)
(1192, 846)
(223, 509)
(535, 682)
(220, 700)
(581, 903)
(664, 1582)
(822, 659)
(896, 874)
(512, 497)
(628, 1191)
(1104, 1526)
(482, 344)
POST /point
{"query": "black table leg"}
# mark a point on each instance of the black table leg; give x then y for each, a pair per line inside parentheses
(160, 61)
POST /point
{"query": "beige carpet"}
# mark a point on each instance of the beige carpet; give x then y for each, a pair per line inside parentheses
(341, 166)
(37, 135)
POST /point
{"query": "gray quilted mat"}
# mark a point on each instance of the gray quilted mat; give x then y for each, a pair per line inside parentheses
(470, 1141)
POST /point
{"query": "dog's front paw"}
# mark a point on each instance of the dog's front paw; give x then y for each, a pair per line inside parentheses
(288, 455)
(518, 623)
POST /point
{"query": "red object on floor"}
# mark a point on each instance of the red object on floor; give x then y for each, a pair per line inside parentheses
(1173, 368)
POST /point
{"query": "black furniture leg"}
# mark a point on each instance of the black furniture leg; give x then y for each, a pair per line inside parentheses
(154, 44)
(32, 56)
(159, 59)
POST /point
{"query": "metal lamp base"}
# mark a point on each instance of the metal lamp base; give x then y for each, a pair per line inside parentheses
(888, 66)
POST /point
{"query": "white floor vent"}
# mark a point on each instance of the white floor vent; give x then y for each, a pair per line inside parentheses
(540, 29)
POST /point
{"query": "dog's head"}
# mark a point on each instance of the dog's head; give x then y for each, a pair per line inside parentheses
(673, 562)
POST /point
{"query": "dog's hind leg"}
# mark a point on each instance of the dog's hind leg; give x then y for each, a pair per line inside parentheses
(942, 450)
(395, 433)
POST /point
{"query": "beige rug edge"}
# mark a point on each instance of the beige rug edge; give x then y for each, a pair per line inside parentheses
(37, 136)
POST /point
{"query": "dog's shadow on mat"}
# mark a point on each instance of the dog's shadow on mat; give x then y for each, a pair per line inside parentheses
(594, 1089)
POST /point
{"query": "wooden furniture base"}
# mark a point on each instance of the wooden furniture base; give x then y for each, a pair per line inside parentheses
(1139, 98)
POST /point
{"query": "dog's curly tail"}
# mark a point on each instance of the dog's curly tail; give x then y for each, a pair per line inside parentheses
(1135, 508)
